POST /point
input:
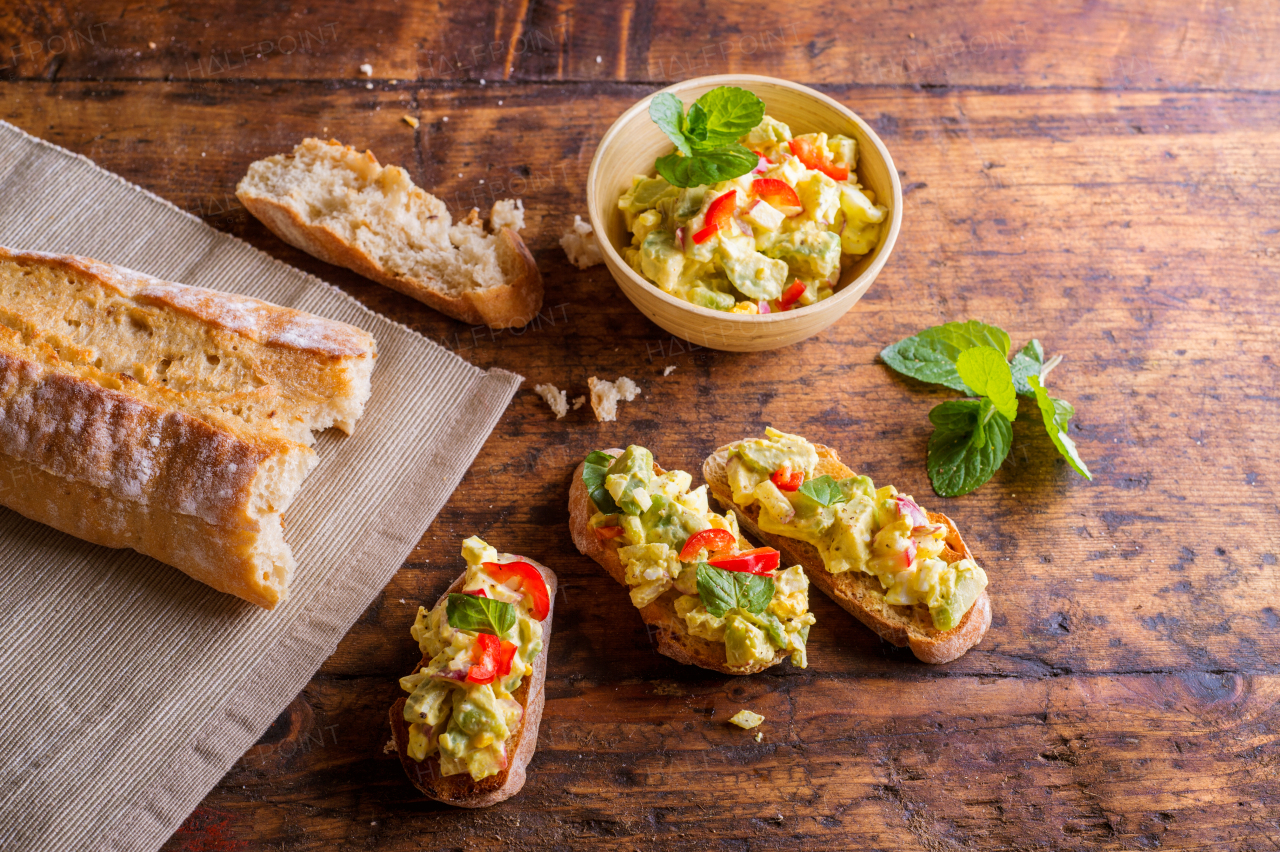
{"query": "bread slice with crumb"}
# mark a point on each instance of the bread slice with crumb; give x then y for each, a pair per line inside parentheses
(669, 630)
(346, 209)
(858, 593)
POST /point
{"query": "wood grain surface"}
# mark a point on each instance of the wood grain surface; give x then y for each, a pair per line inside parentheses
(1102, 176)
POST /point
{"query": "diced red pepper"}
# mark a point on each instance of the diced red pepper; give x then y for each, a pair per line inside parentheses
(506, 653)
(477, 592)
(813, 158)
(719, 215)
(484, 659)
(606, 533)
(786, 480)
(777, 192)
(531, 583)
(712, 540)
(790, 296)
(762, 560)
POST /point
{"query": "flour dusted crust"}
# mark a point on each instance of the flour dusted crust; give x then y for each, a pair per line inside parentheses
(314, 197)
(671, 631)
(461, 790)
(169, 419)
(857, 593)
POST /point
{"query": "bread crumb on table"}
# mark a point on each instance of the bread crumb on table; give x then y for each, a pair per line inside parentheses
(578, 402)
(746, 719)
(605, 396)
(580, 246)
(507, 213)
(669, 370)
(555, 398)
(366, 69)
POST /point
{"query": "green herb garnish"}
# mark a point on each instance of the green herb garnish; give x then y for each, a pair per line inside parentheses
(824, 490)
(482, 615)
(971, 438)
(706, 140)
(722, 590)
(594, 470)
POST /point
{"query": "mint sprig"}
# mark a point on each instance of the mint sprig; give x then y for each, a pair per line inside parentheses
(721, 591)
(594, 470)
(972, 437)
(706, 140)
(481, 615)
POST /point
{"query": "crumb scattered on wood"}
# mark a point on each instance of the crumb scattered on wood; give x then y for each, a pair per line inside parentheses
(555, 398)
(605, 396)
(409, 120)
(669, 370)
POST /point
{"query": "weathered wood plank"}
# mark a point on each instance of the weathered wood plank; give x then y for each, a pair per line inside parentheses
(1136, 761)
(1000, 43)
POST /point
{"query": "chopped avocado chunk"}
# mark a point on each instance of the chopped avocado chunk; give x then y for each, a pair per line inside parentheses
(713, 299)
(970, 582)
(814, 253)
(661, 260)
(744, 643)
(756, 276)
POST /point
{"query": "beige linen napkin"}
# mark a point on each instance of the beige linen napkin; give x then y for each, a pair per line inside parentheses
(127, 690)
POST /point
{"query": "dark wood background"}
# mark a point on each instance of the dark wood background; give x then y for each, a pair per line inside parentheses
(1101, 175)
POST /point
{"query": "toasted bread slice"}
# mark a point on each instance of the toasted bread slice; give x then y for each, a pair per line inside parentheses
(346, 209)
(670, 630)
(858, 593)
(462, 790)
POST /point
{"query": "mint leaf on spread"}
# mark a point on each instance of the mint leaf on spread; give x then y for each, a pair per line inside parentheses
(987, 372)
(721, 591)
(594, 470)
(1056, 414)
(706, 140)
(481, 615)
(972, 437)
(930, 356)
(970, 441)
(824, 490)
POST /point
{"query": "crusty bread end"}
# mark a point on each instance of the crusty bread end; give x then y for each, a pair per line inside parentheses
(669, 629)
(858, 593)
(462, 790)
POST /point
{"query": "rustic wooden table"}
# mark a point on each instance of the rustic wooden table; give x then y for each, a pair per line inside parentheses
(1103, 178)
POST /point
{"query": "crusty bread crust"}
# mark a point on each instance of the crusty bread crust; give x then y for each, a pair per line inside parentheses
(461, 790)
(141, 413)
(512, 304)
(670, 630)
(858, 593)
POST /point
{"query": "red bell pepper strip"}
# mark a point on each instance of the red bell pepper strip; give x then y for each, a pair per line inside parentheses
(711, 540)
(477, 592)
(812, 158)
(531, 583)
(719, 215)
(777, 193)
(506, 653)
(786, 480)
(791, 296)
(606, 533)
(762, 560)
(484, 659)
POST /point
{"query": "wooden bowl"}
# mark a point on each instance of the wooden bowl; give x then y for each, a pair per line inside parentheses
(634, 142)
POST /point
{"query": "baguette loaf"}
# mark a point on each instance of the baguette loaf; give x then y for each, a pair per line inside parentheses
(343, 207)
(462, 790)
(169, 419)
(670, 630)
(858, 593)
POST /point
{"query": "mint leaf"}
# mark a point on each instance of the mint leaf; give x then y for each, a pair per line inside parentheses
(970, 440)
(481, 615)
(722, 116)
(930, 356)
(721, 591)
(1028, 362)
(707, 168)
(985, 371)
(1057, 413)
(824, 490)
(594, 470)
(667, 112)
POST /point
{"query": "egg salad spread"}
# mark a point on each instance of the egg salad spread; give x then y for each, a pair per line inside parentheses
(481, 644)
(854, 525)
(769, 240)
(667, 538)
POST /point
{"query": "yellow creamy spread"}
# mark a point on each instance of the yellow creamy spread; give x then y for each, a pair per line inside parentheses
(855, 526)
(657, 515)
(467, 724)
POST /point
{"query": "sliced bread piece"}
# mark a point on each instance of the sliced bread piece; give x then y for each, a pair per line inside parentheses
(668, 628)
(462, 790)
(859, 593)
(343, 207)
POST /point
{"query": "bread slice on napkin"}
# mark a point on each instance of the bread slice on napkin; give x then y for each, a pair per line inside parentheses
(172, 420)
(343, 207)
